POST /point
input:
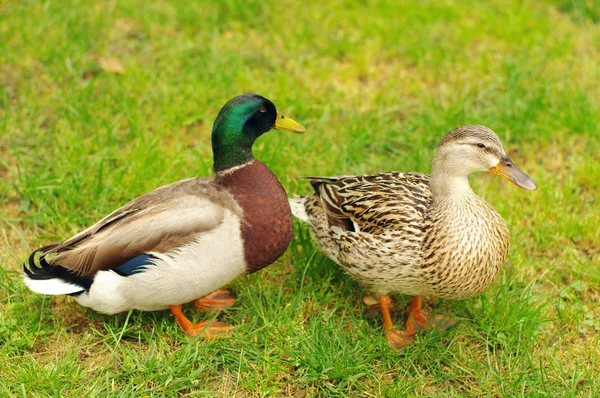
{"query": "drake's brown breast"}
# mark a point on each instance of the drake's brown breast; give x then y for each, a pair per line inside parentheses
(267, 222)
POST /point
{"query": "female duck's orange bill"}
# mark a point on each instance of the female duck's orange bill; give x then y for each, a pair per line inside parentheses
(507, 170)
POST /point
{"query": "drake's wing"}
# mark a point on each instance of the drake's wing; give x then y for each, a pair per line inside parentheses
(158, 221)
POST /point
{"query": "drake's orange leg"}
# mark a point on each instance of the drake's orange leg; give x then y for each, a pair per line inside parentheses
(397, 339)
(220, 299)
(208, 329)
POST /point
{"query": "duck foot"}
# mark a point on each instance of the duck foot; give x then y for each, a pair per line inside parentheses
(439, 322)
(222, 298)
(370, 301)
(206, 329)
(211, 329)
(417, 319)
(399, 339)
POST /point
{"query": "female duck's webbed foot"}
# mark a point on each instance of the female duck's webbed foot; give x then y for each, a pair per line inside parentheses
(397, 339)
(370, 301)
(208, 329)
(223, 298)
(417, 318)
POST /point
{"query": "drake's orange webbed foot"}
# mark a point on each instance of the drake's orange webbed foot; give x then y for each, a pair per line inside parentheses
(207, 329)
(211, 329)
(223, 298)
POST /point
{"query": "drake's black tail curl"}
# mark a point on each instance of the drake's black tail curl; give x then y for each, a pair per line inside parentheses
(42, 270)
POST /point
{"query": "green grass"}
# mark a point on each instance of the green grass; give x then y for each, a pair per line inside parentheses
(376, 84)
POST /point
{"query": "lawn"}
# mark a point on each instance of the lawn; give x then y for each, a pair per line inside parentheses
(103, 101)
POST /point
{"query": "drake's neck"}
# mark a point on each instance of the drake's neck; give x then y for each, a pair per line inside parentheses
(228, 157)
(229, 173)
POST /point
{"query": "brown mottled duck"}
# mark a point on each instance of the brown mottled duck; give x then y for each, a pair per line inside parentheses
(417, 234)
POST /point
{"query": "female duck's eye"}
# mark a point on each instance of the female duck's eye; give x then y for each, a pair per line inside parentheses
(263, 109)
(481, 146)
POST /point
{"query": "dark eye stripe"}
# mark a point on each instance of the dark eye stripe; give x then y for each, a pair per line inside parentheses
(487, 149)
(479, 145)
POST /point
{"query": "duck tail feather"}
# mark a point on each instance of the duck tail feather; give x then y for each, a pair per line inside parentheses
(297, 204)
(45, 278)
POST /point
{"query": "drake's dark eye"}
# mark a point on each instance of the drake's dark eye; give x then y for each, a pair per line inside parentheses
(263, 109)
(481, 146)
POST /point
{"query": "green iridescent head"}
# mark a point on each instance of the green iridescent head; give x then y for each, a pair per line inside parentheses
(240, 122)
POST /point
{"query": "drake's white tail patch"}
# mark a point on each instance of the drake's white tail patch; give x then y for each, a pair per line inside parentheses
(51, 286)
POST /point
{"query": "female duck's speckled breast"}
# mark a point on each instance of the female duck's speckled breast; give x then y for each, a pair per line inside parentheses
(465, 244)
(267, 223)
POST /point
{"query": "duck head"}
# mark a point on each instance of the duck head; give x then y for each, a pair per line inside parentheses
(239, 123)
(468, 149)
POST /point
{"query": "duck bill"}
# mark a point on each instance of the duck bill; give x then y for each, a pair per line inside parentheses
(285, 123)
(507, 170)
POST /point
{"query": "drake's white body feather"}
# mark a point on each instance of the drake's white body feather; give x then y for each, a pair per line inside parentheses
(178, 276)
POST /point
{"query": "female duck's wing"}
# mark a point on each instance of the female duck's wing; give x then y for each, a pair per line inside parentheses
(158, 221)
(374, 203)
(372, 225)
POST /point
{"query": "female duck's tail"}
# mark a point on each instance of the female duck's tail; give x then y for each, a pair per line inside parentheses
(297, 204)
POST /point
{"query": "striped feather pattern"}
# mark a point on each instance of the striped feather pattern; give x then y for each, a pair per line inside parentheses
(403, 241)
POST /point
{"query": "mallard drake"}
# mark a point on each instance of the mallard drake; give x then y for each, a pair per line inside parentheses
(414, 233)
(184, 240)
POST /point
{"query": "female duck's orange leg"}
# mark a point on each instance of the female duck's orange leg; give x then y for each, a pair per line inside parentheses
(416, 318)
(397, 339)
(209, 329)
(415, 311)
(220, 299)
(423, 319)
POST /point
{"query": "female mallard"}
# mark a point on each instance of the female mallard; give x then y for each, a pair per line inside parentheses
(184, 240)
(413, 233)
